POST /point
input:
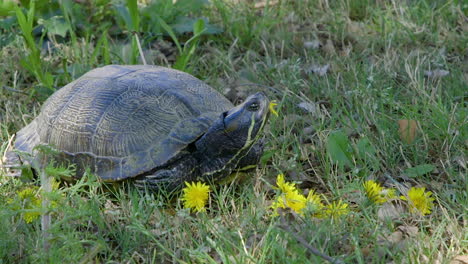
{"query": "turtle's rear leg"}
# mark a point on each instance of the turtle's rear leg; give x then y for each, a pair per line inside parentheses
(18, 151)
(10, 164)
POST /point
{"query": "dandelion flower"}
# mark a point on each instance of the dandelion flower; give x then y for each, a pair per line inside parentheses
(292, 199)
(336, 209)
(315, 200)
(195, 196)
(277, 204)
(30, 201)
(55, 184)
(419, 200)
(315, 204)
(284, 186)
(376, 193)
(295, 201)
(272, 106)
(289, 196)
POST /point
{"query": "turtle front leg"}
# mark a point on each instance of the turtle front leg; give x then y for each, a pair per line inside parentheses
(160, 180)
(169, 179)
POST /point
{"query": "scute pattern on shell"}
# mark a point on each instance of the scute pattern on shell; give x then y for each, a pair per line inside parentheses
(124, 120)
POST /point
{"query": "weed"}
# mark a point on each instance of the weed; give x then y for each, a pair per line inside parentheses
(346, 75)
(33, 61)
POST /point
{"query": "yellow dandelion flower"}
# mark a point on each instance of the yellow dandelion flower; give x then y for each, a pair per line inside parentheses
(272, 106)
(315, 204)
(29, 193)
(55, 184)
(376, 193)
(419, 200)
(336, 209)
(30, 200)
(315, 200)
(278, 203)
(195, 196)
(290, 197)
(284, 186)
(293, 200)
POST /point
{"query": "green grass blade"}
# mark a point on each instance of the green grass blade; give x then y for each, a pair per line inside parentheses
(132, 6)
(169, 31)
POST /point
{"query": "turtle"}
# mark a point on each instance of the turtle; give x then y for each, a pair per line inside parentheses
(154, 125)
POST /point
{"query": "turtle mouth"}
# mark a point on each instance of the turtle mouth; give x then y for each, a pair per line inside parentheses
(224, 115)
(255, 107)
(226, 130)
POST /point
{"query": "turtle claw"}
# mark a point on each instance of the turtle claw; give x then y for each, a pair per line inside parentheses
(163, 179)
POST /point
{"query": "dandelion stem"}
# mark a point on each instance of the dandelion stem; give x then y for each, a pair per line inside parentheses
(311, 249)
(46, 185)
(140, 50)
(91, 254)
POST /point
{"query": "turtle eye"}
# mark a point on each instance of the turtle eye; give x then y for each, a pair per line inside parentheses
(253, 106)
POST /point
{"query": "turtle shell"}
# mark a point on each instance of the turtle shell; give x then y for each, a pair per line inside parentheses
(123, 121)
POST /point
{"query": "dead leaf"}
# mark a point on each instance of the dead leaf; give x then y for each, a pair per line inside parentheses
(346, 50)
(111, 208)
(461, 161)
(165, 51)
(390, 211)
(254, 240)
(317, 69)
(436, 74)
(308, 131)
(238, 90)
(266, 3)
(329, 48)
(313, 44)
(308, 107)
(423, 259)
(292, 18)
(407, 130)
(158, 232)
(355, 28)
(296, 176)
(112, 212)
(462, 259)
(366, 251)
(403, 245)
(409, 231)
(395, 237)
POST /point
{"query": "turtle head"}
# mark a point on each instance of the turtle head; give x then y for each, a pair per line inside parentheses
(232, 135)
(242, 125)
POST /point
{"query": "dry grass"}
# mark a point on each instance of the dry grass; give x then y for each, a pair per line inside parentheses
(378, 55)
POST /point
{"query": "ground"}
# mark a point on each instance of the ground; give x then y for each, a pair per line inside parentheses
(366, 90)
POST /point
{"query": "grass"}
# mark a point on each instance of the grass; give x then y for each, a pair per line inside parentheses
(377, 52)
